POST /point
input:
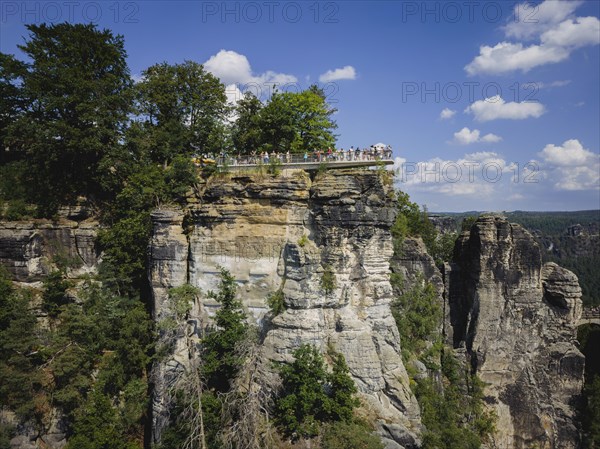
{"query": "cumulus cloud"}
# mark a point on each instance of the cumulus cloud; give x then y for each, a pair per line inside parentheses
(466, 137)
(552, 24)
(507, 57)
(495, 108)
(491, 138)
(532, 20)
(571, 153)
(475, 175)
(574, 33)
(447, 114)
(345, 73)
(570, 166)
(234, 68)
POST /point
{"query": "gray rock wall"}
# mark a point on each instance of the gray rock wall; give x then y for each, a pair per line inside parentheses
(282, 233)
(517, 320)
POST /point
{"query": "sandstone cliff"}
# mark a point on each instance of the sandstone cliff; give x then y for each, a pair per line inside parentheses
(283, 233)
(514, 317)
(517, 320)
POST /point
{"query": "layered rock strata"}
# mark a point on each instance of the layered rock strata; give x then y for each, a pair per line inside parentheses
(283, 234)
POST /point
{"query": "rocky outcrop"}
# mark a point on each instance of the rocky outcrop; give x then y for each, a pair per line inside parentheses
(517, 321)
(28, 249)
(283, 234)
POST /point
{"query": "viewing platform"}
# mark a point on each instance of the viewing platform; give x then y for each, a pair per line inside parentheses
(298, 162)
(590, 316)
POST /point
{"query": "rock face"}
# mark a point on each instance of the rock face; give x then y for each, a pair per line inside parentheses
(283, 234)
(27, 248)
(517, 321)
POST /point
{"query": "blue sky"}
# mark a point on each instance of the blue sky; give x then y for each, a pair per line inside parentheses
(488, 105)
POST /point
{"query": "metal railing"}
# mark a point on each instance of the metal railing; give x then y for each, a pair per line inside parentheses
(308, 158)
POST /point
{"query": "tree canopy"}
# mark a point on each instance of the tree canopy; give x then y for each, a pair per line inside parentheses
(70, 105)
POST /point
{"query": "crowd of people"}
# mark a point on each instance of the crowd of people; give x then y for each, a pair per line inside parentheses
(372, 153)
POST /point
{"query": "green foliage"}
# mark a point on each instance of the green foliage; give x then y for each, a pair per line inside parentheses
(111, 338)
(6, 434)
(328, 280)
(221, 362)
(411, 221)
(182, 298)
(246, 131)
(276, 302)
(180, 109)
(302, 241)
(454, 416)
(20, 352)
(349, 435)
(418, 315)
(274, 168)
(589, 341)
(311, 396)
(75, 101)
(176, 433)
(18, 210)
(97, 426)
(55, 288)
(443, 247)
(296, 121)
(467, 223)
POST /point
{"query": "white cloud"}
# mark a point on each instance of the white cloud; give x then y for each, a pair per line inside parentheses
(495, 108)
(559, 34)
(491, 138)
(570, 154)
(345, 73)
(575, 33)
(508, 57)
(570, 166)
(475, 175)
(234, 68)
(465, 137)
(532, 20)
(447, 113)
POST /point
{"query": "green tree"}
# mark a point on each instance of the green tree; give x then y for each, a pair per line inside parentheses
(297, 121)
(180, 108)
(246, 131)
(342, 396)
(302, 404)
(454, 416)
(76, 90)
(221, 361)
(97, 426)
(418, 315)
(20, 352)
(54, 296)
(310, 395)
(12, 102)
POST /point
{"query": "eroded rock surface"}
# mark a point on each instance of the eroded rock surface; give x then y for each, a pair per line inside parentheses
(283, 233)
(517, 320)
